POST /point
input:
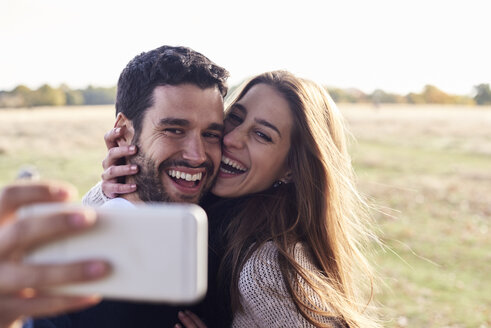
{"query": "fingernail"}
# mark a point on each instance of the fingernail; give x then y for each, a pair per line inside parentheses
(132, 148)
(77, 220)
(133, 186)
(133, 167)
(27, 293)
(96, 269)
(58, 192)
(93, 299)
(82, 220)
(180, 313)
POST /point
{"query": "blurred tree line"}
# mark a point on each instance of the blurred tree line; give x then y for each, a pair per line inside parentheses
(46, 95)
(429, 95)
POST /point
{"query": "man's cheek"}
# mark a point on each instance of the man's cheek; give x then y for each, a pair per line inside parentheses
(217, 157)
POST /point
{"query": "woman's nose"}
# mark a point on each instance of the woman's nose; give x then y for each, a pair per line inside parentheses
(234, 138)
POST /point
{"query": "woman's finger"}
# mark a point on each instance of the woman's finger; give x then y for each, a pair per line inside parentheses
(186, 320)
(190, 320)
(111, 136)
(24, 234)
(114, 172)
(199, 323)
(116, 153)
(15, 276)
(14, 196)
(112, 189)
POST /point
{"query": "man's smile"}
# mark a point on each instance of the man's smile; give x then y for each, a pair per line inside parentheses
(186, 179)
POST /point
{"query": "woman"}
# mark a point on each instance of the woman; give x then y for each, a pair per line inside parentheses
(295, 222)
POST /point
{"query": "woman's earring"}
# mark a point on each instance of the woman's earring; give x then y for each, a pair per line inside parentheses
(277, 183)
(282, 181)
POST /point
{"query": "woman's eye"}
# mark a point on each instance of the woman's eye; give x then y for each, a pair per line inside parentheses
(234, 119)
(263, 136)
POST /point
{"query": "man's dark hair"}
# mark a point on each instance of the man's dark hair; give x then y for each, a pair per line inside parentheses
(166, 65)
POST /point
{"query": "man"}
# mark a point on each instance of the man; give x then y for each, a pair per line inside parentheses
(170, 106)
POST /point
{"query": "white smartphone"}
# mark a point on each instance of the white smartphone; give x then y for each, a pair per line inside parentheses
(158, 253)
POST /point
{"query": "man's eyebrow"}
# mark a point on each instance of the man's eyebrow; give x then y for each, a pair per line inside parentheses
(216, 126)
(174, 121)
(185, 123)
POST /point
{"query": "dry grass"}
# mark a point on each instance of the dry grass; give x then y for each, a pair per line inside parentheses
(455, 128)
(51, 130)
(428, 167)
(63, 143)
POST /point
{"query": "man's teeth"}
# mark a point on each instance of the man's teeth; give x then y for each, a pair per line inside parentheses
(185, 176)
(233, 163)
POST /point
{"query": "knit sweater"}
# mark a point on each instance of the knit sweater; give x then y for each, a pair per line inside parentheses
(263, 294)
(95, 196)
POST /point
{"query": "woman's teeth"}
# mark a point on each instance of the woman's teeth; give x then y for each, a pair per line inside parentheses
(233, 163)
(185, 176)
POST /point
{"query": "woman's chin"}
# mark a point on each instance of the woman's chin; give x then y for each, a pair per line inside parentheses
(223, 192)
(226, 189)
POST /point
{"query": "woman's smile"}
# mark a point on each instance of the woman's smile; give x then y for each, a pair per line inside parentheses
(230, 167)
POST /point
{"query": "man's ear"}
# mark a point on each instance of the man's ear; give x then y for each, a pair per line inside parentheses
(127, 127)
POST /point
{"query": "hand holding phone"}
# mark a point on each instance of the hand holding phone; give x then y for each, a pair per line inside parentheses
(21, 284)
(158, 252)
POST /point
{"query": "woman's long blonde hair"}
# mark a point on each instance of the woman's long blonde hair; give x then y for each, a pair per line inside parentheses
(320, 208)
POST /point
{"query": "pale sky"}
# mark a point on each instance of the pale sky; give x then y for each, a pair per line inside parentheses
(398, 46)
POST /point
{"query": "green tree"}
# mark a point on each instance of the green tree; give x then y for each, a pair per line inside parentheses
(336, 94)
(99, 96)
(463, 100)
(415, 98)
(483, 94)
(48, 96)
(379, 96)
(433, 95)
(351, 95)
(24, 95)
(73, 97)
(22, 89)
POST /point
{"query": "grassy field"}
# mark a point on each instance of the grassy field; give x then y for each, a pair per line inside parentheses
(62, 143)
(427, 168)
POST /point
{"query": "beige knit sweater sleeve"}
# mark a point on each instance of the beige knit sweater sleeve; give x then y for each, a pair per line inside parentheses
(95, 197)
(263, 294)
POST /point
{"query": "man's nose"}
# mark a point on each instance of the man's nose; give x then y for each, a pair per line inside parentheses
(194, 151)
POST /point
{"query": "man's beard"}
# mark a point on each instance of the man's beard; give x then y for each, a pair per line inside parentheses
(149, 178)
